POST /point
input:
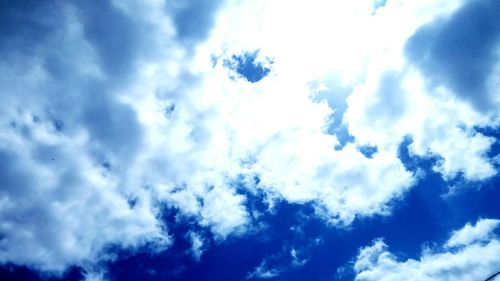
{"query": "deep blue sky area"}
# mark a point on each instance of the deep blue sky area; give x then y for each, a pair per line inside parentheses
(423, 217)
(150, 140)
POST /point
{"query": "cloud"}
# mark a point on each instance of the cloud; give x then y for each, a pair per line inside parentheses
(193, 19)
(68, 140)
(296, 259)
(461, 52)
(76, 176)
(474, 257)
(395, 101)
(263, 272)
(197, 245)
(113, 111)
(482, 231)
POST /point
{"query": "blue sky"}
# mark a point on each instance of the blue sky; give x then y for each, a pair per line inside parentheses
(249, 140)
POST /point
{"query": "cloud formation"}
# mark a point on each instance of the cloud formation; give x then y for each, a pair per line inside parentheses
(469, 254)
(113, 111)
(68, 141)
(461, 52)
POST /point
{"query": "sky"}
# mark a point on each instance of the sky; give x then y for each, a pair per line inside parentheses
(249, 140)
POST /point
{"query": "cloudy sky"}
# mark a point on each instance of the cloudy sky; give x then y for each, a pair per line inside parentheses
(249, 140)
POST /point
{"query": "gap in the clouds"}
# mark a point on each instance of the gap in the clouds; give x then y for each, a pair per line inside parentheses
(334, 93)
(169, 110)
(368, 150)
(230, 259)
(495, 147)
(428, 213)
(425, 216)
(377, 4)
(343, 136)
(248, 66)
(422, 217)
(144, 264)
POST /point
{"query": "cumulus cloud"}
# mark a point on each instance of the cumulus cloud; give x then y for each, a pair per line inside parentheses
(474, 256)
(481, 231)
(402, 97)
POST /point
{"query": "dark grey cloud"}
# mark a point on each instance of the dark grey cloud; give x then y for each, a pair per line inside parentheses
(459, 51)
(27, 24)
(193, 19)
(36, 35)
(68, 140)
(13, 175)
(65, 131)
(113, 125)
(117, 37)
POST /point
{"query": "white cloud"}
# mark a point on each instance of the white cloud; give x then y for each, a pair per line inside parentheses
(296, 259)
(222, 129)
(482, 231)
(446, 129)
(60, 207)
(197, 245)
(475, 257)
(263, 272)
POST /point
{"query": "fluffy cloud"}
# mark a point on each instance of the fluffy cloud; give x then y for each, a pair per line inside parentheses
(411, 98)
(482, 231)
(471, 253)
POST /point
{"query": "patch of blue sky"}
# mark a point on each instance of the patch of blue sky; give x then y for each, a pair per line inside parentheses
(379, 3)
(368, 150)
(248, 67)
(334, 94)
(424, 217)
